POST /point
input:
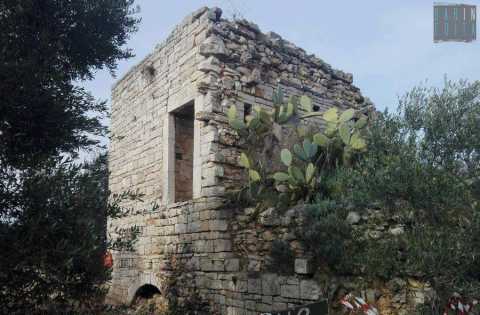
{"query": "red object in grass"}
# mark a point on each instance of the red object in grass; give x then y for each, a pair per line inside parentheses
(108, 260)
(459, 306)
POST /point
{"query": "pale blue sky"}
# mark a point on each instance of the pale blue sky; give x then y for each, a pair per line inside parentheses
(386, 44)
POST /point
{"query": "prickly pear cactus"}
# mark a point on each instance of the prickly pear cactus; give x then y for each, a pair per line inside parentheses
(303, 163)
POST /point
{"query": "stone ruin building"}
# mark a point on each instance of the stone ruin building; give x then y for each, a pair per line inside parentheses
(171, 142)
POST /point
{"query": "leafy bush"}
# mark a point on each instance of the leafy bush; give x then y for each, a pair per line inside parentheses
(52, 210)
(282, 258)
(421, 170)
(326, 235)
(422, 167)
(423, 164)
(53, 249)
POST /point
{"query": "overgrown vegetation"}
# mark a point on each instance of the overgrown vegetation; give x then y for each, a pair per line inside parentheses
(177, 296)
(423, 166)
(189, 301)
(316, 154)
(282, 258)
(417, 168)
(54, 247)
(53, 209)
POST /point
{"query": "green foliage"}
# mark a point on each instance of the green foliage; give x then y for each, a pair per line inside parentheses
(426, 155)
(421, 170)
(54, 248)
(327, 236)
(311, 156)
(286, 157)
(182, 297)
(282, 258)
(47, 46)
(52, 209)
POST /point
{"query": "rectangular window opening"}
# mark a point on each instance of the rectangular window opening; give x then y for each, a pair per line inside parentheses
(247, 111)
(184, 136)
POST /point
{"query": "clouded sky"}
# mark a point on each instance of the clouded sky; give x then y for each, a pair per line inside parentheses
(386, 44)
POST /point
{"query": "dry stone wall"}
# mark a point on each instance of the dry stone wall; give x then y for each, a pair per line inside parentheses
(253, 235)
(224, 252)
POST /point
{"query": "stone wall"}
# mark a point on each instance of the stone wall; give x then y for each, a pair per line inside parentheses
(212, 63)
(226, 253)
(141, 103)
(253, 235)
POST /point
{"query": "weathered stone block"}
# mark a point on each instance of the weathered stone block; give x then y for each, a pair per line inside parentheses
(241, 286)
(203, 246)
(309, 290)
(194, 227)
(207, 264)
(222, 245)
(270, 284)
(213, 45)
(290, 291)
(180, 228)
(303, 266)
(210, 65)
(232, 264)
(216, 285)
(213, 191)
(254, 286)
(219, 225)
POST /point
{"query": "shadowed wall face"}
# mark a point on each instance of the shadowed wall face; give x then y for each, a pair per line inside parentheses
(184, 153)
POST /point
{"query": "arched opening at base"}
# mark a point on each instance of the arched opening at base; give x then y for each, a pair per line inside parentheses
(146, 291)
(149, 300)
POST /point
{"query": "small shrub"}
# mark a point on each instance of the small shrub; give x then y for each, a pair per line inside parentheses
(282, 258)
(326, 234)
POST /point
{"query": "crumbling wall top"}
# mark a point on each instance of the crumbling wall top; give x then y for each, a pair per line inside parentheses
(286, 55)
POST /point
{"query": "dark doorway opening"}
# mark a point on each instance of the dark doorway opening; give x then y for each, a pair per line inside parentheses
(146, 291)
